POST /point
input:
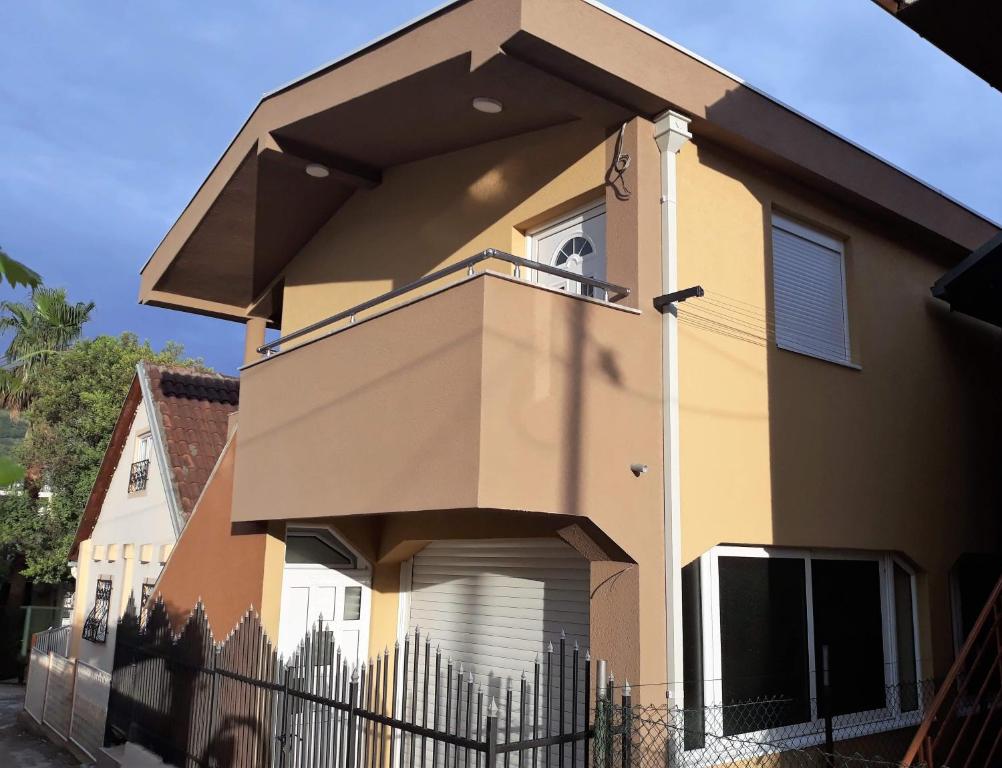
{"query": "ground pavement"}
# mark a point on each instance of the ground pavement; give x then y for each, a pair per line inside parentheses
(20, 748)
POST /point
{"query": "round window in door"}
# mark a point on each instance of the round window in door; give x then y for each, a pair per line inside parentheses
(577, 254)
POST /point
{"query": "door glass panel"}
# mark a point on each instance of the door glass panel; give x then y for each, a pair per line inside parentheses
(905, 630)
(763, 643)
(847, 618)
(352, 603)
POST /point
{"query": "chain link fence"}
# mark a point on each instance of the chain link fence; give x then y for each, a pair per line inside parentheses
(760, 733)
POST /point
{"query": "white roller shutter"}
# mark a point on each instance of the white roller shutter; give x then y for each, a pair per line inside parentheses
(809, 291)
(494, 604)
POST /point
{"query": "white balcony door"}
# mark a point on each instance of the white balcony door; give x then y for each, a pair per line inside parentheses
(575, 243)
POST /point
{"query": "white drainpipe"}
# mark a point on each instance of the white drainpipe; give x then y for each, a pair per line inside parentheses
(671, 131)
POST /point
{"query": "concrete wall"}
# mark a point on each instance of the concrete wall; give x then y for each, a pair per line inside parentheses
(781, 448)
(127, 545)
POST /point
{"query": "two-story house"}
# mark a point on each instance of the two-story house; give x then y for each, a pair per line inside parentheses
(491, 415)
(165, 443)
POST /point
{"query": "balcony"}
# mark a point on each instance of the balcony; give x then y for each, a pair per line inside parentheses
(489, 392)
(139, 473)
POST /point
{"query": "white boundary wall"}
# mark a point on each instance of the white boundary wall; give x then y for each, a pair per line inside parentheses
(70, 697)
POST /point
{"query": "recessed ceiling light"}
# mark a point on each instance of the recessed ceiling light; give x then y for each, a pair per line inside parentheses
(488, 105)
(318, 171)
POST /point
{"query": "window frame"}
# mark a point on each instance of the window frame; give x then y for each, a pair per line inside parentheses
(327, 535)
(884, 719)
(143, 439)
(820, 238)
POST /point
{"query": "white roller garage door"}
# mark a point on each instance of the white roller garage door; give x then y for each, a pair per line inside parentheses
(494, 604)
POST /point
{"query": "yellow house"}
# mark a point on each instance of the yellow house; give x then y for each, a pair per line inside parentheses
(492, 407)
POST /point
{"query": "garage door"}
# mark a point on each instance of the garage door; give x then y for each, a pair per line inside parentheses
(494, 604)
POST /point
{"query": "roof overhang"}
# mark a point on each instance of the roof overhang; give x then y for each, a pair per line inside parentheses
(965, 30)
(974, 286)
(408, 96)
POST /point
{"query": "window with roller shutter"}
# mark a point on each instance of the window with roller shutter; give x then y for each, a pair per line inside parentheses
(809, 293)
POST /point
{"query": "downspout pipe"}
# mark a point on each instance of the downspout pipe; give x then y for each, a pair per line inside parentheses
(671, 131)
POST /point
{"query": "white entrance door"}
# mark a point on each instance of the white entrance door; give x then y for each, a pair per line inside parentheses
(322, 581)
(576, 244)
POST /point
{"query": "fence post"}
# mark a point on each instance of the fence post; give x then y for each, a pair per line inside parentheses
(602, 736)
(627, 734)
(352, 719)
(210, 736)
(492, 735)
(826, 702)
(283, 735)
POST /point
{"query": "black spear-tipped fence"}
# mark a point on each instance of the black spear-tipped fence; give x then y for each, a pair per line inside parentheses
(198, 703)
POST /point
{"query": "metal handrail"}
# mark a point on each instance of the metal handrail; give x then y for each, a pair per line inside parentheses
(613, 292)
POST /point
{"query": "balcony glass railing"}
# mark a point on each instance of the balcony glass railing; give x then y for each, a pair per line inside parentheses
(600, 289)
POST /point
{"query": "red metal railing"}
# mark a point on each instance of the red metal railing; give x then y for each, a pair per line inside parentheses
(963, 726)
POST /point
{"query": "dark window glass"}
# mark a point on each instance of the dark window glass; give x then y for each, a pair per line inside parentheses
(763, 643)
(905, 630)
(692, 655)
(974, 577)
(847, 619)
(316, 548)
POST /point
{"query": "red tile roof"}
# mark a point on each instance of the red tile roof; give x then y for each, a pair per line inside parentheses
(194, 409)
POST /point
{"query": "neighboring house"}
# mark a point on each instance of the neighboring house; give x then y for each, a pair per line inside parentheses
(165, 443)
(965, 30)
(784, 467)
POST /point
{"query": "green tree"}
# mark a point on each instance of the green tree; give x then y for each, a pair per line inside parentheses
(39, 328)
(72, 414)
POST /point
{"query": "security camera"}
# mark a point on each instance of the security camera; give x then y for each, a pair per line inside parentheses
(638, 469)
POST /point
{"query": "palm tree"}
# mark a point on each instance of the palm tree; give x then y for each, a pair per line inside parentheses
(43, 326)
(16, 273)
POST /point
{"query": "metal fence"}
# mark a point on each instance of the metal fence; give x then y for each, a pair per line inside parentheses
(56, 639)
(198, 704)
(629, 735)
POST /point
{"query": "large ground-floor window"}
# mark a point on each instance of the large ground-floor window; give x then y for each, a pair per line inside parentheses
(761, 624)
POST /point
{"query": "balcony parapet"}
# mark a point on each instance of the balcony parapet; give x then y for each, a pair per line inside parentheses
(492, 392)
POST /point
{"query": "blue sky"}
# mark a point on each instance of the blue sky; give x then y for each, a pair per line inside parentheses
(112, 113)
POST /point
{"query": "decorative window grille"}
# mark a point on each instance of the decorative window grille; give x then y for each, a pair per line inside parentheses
(138, 475)
(95, 627)
(145, 595)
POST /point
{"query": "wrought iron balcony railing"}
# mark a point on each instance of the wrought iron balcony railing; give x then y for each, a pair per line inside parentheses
(595, 288)
(138, 475)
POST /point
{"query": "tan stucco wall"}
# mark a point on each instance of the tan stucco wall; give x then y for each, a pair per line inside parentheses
(780, 448)
(229, 567)
(484, 396)
(434, 212)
